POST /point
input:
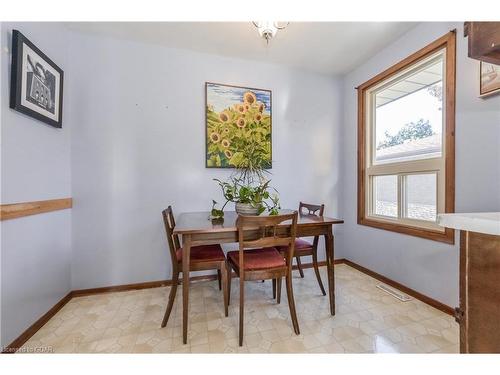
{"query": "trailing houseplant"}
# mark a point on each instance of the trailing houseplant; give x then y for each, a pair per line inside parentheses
(251, 199)
(248, 187)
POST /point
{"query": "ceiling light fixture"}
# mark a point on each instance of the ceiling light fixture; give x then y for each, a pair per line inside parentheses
(268, 29)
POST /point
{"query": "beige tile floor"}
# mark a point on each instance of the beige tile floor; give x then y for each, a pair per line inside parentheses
(367, 320)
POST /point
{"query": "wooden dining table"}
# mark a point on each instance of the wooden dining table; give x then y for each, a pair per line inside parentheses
(196, 228)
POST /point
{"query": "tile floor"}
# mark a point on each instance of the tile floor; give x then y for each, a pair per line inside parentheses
(367, 320)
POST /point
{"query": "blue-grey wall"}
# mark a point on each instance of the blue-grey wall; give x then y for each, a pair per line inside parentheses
(35, 165)
(138, 146)
(427, 266)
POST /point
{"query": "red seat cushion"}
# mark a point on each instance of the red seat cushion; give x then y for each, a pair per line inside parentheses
(204, 253)
(257, 259)
(300, 245)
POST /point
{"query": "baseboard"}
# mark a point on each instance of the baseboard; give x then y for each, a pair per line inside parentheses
(121, 288)
(26, 335)
(428, 300)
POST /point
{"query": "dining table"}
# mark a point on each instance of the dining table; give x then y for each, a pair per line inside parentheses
(197, 228)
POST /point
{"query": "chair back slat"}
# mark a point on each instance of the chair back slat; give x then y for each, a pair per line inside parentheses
(311, 209)
(173, 239)
(271, 231)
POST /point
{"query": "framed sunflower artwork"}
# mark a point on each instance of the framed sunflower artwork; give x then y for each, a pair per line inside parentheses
(238, 126)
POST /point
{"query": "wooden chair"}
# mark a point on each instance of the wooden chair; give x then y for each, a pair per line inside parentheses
(263, 261)
(202, 258)
(305, 248)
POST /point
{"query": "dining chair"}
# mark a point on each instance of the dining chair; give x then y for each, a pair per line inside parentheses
(305, 248)
(202, 258)
(258, 259)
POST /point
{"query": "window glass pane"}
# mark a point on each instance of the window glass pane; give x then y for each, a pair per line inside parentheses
(421, 196)
(385, 195)
(408, 116)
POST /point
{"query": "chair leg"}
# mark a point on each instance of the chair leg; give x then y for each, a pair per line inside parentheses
(171, 298)
(274, 288)
(278, 293)
(223, 273)
(291, 303)
(229, 279)
(242, 308)
(316, 271)
(219, 277)
(299, 266)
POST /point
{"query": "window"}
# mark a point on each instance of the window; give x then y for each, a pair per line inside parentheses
(406, 122)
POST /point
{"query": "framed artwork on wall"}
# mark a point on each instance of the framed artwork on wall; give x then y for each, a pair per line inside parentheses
(489, 75)
(36, 82)
(238, 126)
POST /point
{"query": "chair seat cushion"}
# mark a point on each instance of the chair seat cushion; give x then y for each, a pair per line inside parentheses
(204, 253)
(257, 259)
(300, 245)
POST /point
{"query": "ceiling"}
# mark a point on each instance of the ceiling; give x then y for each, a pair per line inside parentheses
(323, 47)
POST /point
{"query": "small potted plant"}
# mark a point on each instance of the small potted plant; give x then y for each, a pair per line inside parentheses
(249, 199)
(247, 187)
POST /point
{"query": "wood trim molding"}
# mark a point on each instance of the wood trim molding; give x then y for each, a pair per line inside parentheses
(441, 236)
(27, 334)
(120, 288)
(419, 55)
(160, 283)
(15, 210)
(428, 300)
(449, 41)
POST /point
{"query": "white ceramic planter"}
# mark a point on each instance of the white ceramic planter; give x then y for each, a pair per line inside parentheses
(246, 209)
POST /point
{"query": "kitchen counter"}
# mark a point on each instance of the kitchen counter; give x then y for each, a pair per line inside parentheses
(480, 222)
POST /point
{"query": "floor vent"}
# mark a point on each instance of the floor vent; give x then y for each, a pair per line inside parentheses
(394, 292)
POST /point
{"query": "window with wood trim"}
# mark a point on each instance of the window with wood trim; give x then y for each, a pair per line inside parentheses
(406, 143)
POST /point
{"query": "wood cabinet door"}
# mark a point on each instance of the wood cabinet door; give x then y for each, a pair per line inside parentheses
(480, 293)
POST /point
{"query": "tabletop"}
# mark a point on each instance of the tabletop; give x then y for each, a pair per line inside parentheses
(199, 222)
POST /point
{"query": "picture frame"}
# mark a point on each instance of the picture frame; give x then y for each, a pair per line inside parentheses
(36, 82)
(247, 121)
(489, 79)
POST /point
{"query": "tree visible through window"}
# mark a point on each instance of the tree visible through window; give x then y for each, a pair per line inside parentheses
(421, 129)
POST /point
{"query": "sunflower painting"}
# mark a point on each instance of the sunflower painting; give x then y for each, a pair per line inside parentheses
(238, 124)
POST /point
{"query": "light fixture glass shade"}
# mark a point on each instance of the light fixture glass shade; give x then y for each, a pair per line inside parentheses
(267, 29)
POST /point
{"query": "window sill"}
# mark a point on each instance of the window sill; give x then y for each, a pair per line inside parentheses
(446, 236)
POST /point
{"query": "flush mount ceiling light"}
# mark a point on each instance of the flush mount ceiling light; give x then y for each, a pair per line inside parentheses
(268, 29)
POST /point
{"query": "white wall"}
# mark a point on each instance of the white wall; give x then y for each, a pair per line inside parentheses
(138, 146)
(426, 266)
(35, 165)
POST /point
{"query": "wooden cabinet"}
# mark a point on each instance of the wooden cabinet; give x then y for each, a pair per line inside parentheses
(484, 41)
(479, 311)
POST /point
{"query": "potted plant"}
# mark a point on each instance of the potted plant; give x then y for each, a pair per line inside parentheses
(247, 187)
(249, 199)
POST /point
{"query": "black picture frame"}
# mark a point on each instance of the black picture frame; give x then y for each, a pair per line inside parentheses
(36, 91)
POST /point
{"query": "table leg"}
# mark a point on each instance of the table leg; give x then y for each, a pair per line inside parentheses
(186, 249)
(330, 269)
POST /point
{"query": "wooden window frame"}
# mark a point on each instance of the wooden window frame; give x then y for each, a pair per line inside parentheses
(447, 41)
